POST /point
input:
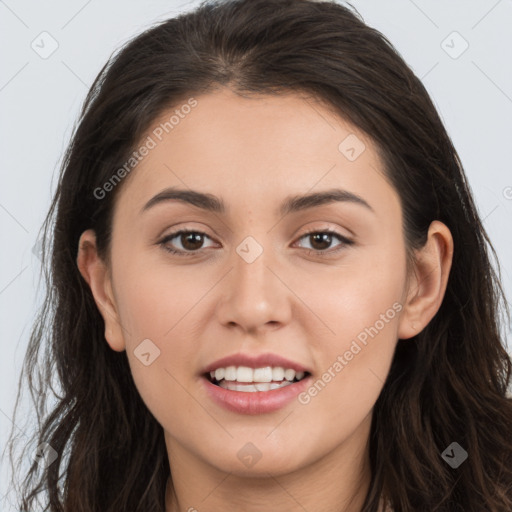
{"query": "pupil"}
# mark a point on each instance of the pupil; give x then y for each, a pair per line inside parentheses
(189, 237)
(322, 237)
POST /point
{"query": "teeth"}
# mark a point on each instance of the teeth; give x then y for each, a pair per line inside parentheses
(289, 375)
(278, 373)
(244, 374)
(230, 373)
(253, 388)
(263, 374)
(266, 375)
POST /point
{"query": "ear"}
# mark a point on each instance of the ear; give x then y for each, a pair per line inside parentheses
(97, 275)
(427, 284)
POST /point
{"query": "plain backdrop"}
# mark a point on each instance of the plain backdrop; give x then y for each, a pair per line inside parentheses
(53, 50)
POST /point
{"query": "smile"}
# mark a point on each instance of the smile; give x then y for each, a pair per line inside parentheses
(254, 397)
(252, 380)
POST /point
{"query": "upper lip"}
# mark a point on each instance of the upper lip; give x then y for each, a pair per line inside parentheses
(255, 361)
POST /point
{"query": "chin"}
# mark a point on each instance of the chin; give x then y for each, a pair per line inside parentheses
(259, 459)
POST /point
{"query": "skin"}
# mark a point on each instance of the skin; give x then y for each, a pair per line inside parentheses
(253, 153)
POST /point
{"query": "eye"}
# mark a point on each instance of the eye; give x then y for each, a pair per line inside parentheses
(192, 242)
(322, 239)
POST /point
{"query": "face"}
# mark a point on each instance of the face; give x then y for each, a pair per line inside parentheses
(316, 287)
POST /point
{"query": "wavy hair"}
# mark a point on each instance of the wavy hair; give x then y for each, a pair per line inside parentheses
(446, 384)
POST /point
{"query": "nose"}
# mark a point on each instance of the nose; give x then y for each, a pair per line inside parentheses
(255, 296)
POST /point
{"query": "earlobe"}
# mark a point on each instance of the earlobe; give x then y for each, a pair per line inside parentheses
(428, 284)
(95, 272)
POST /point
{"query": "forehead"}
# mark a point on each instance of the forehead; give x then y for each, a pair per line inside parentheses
(256, 149)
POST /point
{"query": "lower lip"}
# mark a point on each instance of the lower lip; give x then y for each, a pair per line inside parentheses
(258, 402)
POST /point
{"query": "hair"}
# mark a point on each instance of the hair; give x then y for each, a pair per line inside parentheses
(446, 384)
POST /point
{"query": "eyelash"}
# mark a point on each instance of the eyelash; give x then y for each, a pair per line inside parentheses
(312, 252)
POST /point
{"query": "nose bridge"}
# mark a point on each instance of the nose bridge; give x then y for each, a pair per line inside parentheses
(254, 296)
(251, 275)
(249, 249)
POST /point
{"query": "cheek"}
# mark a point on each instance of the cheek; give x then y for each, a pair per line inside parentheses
(157, 308)
(362, 292)
(361, 306)
(352, 370)
(157, 301)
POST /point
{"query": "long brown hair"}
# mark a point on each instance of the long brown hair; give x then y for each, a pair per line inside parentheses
(447, 384)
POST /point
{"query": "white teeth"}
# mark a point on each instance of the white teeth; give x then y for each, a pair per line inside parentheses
(244, 374)
(230, 373)
(278, 373)
(264, 375)
(252, 388)
(262, 386)
(289, 374)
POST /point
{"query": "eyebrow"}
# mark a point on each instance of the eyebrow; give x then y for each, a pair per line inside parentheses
(292, 204)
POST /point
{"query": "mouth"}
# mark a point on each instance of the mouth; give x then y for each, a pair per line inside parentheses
(246, 383)
(254, 380)
(263, 390)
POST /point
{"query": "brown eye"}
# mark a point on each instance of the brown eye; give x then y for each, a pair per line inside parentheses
(190, 241)
(320, 242)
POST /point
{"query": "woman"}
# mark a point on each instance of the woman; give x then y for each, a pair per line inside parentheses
(208, 359)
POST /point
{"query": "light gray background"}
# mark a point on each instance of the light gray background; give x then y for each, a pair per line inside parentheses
(40, 99)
